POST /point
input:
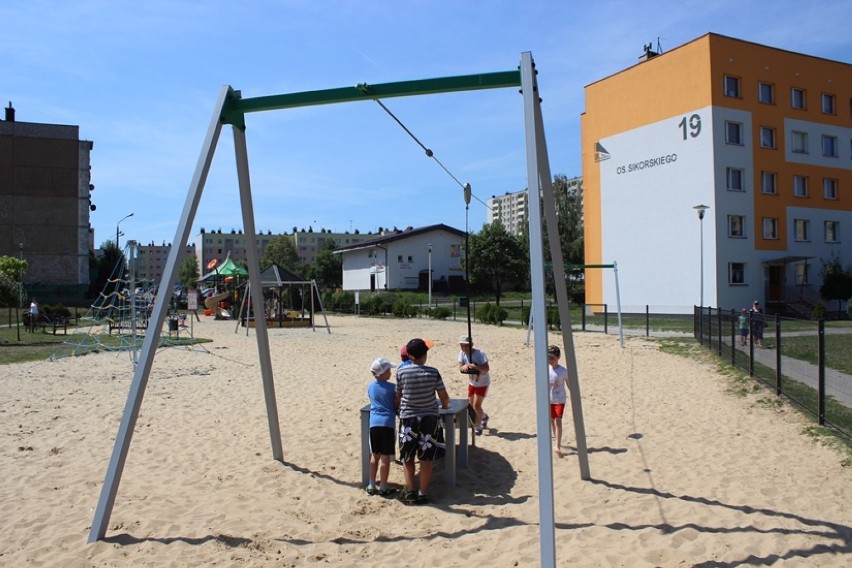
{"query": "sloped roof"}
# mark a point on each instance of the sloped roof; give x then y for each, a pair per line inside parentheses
(384, 239)
(275, 275)
(227, 268)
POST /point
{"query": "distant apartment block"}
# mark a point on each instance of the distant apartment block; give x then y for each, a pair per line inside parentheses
(45, 185)
(151, 259)
(511, 209)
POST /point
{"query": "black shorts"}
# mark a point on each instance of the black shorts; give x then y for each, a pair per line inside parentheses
(421, 437)
(382, 440)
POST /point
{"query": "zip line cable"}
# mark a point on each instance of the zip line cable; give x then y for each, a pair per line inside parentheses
(429, 152)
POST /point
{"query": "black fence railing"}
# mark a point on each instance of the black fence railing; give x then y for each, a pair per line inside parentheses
(797, 358)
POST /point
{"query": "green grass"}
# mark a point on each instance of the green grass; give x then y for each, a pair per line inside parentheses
(40, 346)
(838, 350)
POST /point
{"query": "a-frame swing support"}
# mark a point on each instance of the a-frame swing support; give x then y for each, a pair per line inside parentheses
(231, 109)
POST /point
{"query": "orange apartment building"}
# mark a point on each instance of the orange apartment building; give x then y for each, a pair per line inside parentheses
(761, 136)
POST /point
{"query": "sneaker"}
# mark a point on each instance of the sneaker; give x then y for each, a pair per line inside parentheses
(484, 424)
(422, 500)
(387, 492)
(409, 497)
(477, 431)
(371, 490)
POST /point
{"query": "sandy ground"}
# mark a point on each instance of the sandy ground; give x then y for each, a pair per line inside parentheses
(684, 473)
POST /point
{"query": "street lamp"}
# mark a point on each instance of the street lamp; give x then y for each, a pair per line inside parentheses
(116, 229)
(430, 276)
(21, 288)
(701, 209)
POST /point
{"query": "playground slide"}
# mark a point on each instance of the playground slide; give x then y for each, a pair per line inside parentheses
(212, 303)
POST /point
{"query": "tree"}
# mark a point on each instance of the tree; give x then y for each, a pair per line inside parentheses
(188, 275)
(110, 266)
(282, 252)
(12, 272)
(497, 259)
(328, 267)
(569, 214)
(836, 281)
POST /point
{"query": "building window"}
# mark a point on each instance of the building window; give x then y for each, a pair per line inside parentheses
(766, 93)
(797, 98)
(768, 183)
(410, 259)
(831, 235)
(829, 188)
(827, 103)
(829, 146)
(734, 133)
(800, 228)
(399, 258)
(800, 186)
(800, 142)
(736, 273)
(770, 228)
(767, 137)
(732, 86)
(734, 178)
(736, 226)
(802, 273)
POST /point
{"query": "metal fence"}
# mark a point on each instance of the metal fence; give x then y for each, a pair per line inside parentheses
(798, 358)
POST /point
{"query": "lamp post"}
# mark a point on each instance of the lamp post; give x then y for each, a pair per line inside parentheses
(430, 276)
(21, 288)
(701, 209)
(116, 229)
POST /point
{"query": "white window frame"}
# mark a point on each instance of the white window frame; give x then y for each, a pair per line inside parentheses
(828, 103)
(799, 141)
(829, 146)
(829, 188)
(798, 98)
(733, 133)
(767, 137)
(803, 271)
(770, 228)
(735, 179)
(800, 186)
(731, 86)
(736, 273)
(765, 182)
(736, 226)
(766, 93)
(801, 230)
(831, 231)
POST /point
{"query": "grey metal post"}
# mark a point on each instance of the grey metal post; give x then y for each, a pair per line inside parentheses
(257, 292)
(155, 327)
(547, 533)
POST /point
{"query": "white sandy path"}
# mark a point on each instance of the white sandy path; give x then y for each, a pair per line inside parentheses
(684, 472)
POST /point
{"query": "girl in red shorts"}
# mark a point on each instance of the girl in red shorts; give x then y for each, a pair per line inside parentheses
(558, 394)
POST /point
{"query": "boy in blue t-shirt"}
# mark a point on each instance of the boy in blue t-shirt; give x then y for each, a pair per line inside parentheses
(382, 395)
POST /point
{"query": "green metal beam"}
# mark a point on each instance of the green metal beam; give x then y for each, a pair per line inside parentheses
(233, 112)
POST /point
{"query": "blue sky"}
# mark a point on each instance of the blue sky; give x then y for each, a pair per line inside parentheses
(141, 80)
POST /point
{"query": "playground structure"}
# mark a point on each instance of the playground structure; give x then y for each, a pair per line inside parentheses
(282, 291)
(231, 109)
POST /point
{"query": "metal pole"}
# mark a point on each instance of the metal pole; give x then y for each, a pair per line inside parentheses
(467, 256)
(430, 276)
(116, 229)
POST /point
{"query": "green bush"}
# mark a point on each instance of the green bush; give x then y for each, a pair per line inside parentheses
(403, 309)
(525, 315)
(553, 318)
(819, 312)
(441, 312)
(490, 313)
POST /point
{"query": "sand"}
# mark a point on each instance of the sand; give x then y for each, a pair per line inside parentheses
(685, 472)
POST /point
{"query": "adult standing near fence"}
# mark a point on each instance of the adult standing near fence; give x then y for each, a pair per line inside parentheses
(758, 322)
(33, 313)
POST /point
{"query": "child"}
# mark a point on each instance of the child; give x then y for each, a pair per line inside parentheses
(743, 325)
(558, 394)
(382, 419)
(420, 431)
(474, 362)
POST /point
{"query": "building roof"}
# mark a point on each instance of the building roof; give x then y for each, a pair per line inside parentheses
(397, 236)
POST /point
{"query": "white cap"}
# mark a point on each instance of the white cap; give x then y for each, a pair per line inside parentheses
(464, 340)
(381, 365)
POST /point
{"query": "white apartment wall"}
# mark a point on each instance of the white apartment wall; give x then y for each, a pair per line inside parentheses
(649, 226)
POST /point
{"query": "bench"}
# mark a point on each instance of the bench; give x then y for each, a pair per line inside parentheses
(455, 420)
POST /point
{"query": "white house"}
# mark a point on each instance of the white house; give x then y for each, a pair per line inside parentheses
(401, 261)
